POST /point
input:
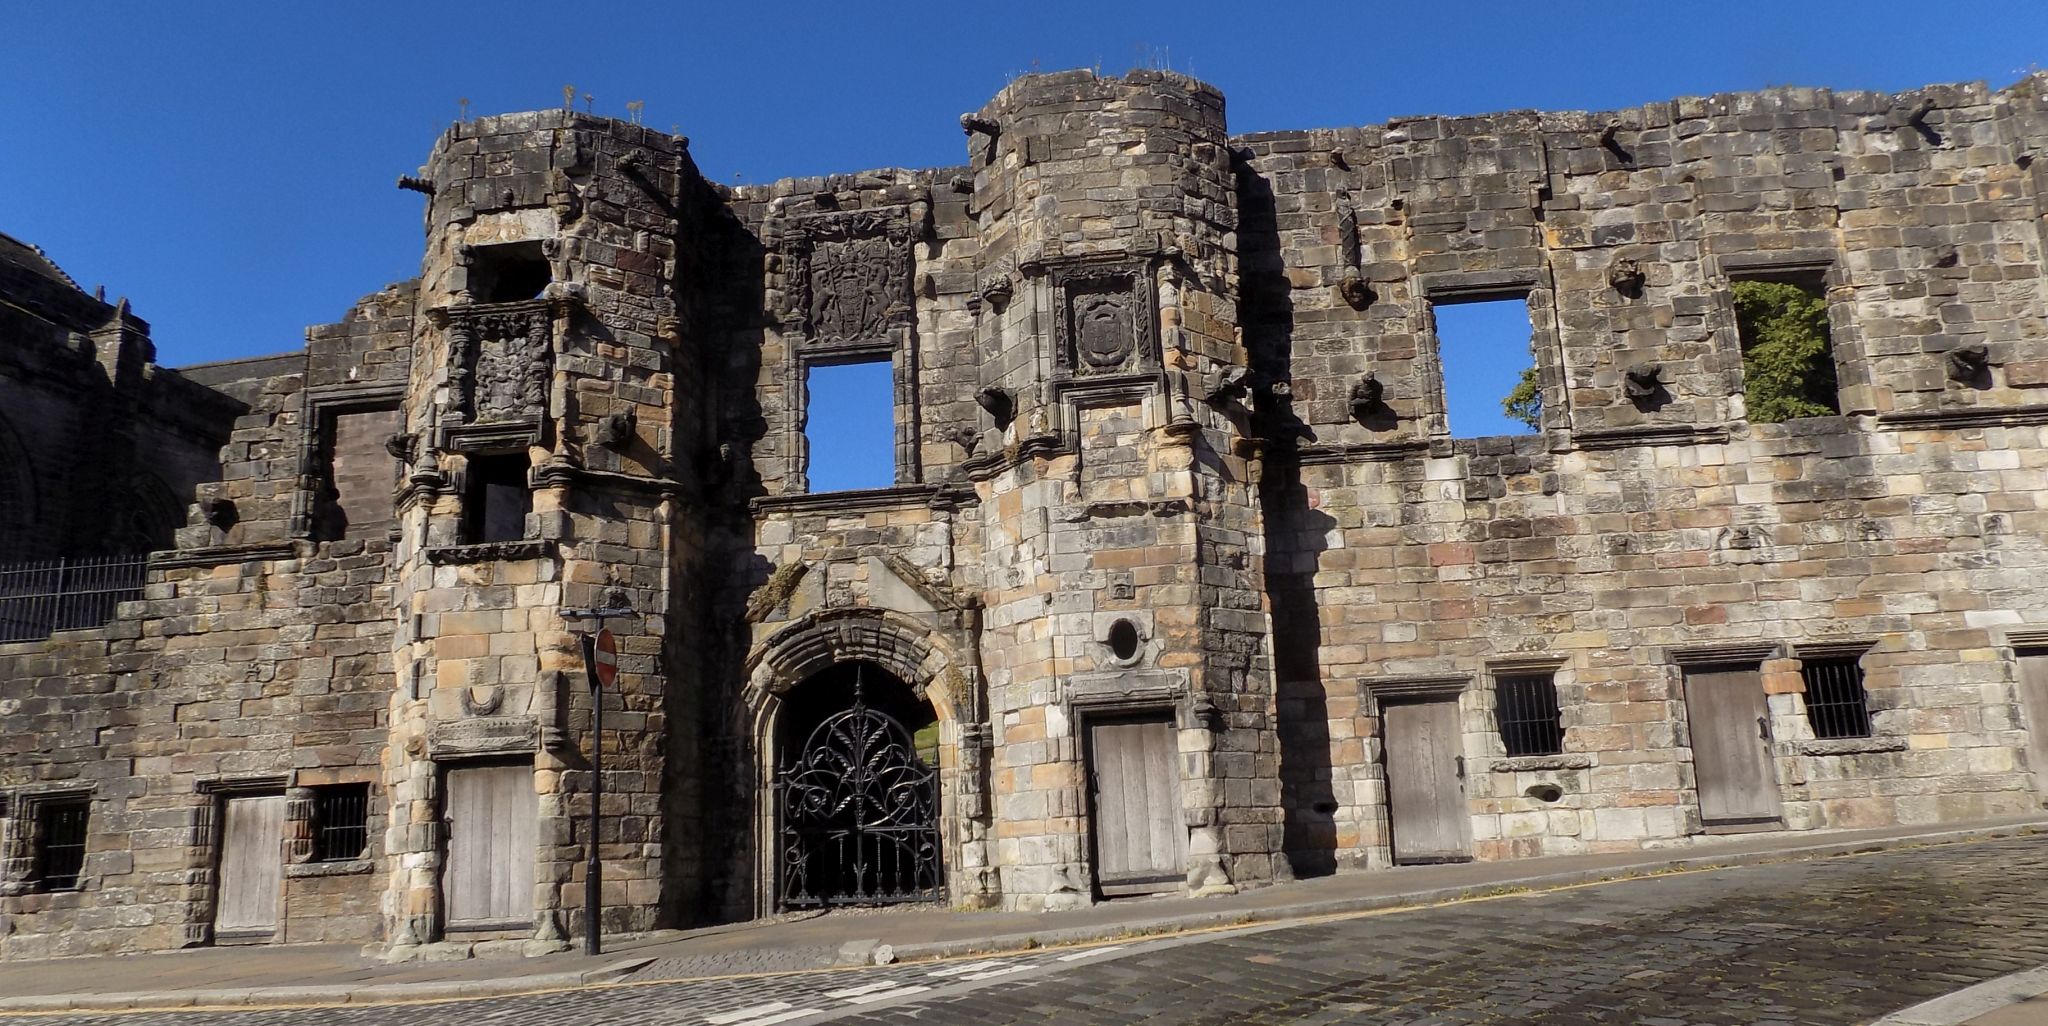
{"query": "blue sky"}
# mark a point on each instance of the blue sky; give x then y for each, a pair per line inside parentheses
(229, 166)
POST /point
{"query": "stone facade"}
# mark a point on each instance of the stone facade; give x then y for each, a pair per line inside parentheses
(1171, 456)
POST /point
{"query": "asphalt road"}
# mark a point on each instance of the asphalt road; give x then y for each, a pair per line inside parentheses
(1837, 941)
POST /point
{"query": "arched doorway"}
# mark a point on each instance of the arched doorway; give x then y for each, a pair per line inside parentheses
(856, 791)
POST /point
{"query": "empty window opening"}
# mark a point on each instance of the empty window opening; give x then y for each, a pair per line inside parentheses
(1836, 703)
(1788, 356)
(850, 425)
(341, 822)
(497, 500)
(61, 857)
(1525, 707)
(509, 272)
(1489, 367)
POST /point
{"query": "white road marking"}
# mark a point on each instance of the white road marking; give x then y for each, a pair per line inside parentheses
(1091, 953)
(968, 968)
(794, 1013)
(865, 988)
(886, 995)
(749, 1012)
(1004, 971)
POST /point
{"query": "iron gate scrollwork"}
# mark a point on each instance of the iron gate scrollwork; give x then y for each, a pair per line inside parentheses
(858, 815)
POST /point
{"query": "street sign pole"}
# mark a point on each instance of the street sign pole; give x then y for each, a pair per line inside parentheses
(593, 875)
(600, 666)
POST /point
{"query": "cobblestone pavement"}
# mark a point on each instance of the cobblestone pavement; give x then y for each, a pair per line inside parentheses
(1838, 941)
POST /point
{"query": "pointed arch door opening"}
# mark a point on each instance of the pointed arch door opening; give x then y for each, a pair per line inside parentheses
(857, 794)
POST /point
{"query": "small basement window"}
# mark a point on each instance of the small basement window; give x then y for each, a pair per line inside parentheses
(1788, 356)
(1836, 703)
(850, 425)
(60, 851)
(509, 272)
(1525, 709)
(1489, 368)
(341, 822)
(496, 499)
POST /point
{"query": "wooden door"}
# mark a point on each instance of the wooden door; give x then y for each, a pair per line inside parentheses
(1426, 781)
(1731, 748)
(488, 882)
(251, 867)
(1141, 838)
(2034, 706)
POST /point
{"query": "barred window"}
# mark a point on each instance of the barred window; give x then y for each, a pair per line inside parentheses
(341, 822)
(60, 855)
(1526, 710)
(1836, 704)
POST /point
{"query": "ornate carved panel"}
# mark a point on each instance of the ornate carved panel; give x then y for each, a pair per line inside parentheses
(1105, 319)
(850, 279)
(499, 357)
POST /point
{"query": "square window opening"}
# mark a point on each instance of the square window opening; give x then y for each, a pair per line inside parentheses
(341, 822)
(1788, 353)
(850, 425)
(1485, 347)
(1837, 706)
(1527, 713)
(509, 272)
(496, 499)
(60, 855)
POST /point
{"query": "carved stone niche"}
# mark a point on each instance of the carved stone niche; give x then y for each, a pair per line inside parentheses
(1105, 319)
(499, 356)
(850, 274)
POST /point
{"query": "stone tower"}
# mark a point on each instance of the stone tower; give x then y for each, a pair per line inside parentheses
(1121, 532)
(551, 460)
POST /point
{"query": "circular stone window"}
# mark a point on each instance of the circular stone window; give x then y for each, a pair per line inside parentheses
(1123, 641)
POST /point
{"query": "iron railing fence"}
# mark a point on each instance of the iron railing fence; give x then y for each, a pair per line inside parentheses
(1836, 704)
(40, 598)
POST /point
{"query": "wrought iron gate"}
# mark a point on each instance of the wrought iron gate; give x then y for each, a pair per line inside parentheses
(857, 815)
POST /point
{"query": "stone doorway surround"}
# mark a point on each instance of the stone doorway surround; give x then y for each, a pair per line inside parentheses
(920, 658)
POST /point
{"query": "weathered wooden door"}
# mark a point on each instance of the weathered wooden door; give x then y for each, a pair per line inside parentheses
(251, 867)
(1141, 839)
(1426, 780)
(2034, 706)
(488, 882)
(1729, 718)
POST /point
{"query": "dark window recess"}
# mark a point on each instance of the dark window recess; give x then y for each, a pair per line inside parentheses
(341, 822)
(1836, 703)
(497, 499)
(509, 272)
(62, 855)
(1525, 706)
(1123, 640)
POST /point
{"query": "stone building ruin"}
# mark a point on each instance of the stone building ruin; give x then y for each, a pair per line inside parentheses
(1182, 584)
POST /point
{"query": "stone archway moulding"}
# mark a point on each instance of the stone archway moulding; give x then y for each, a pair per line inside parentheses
(904, 646)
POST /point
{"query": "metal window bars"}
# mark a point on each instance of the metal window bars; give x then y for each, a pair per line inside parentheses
(1836, 704)
(1525, 707)
(341, 823)
(43, 597)
(62, 857)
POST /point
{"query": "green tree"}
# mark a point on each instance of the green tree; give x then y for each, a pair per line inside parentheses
(1525, 401)
(1788, 364)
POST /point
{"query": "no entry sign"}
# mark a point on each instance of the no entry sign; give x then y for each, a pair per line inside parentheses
(604, 658)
